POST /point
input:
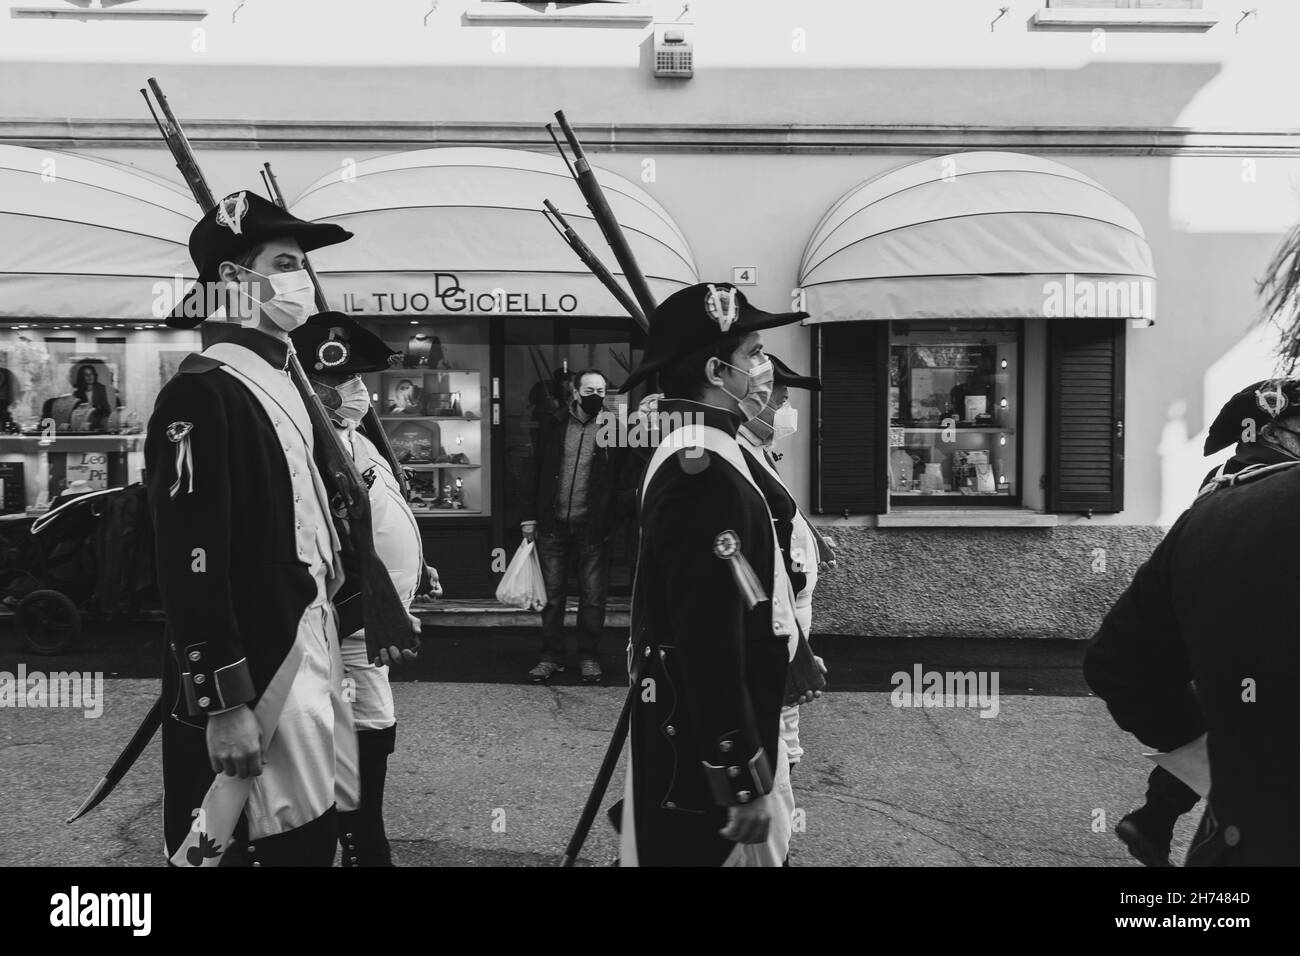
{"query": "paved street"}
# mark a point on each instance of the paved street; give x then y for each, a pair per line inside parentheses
(880, 786)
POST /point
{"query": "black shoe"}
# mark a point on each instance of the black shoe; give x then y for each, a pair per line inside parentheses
(591, 672)
(1147, 843)
(544, 671)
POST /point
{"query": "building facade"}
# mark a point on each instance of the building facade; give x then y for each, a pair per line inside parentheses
(1028, 246)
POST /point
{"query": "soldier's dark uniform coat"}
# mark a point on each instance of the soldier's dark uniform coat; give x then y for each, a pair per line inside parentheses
(718, 670)
(1215, 604)
(230, 626)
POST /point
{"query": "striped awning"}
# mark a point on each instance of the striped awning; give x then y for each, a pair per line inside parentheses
(980, 235)
(85, 238)
(461, 230)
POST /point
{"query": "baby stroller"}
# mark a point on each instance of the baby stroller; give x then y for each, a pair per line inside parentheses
(90, 553)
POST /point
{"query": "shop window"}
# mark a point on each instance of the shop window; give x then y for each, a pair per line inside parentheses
(953, 412)
(434, 406)
(75, 401)
(929, 413)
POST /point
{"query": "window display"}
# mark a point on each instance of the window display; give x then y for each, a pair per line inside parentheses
(953, 410)
(75, 398)
(431, 405)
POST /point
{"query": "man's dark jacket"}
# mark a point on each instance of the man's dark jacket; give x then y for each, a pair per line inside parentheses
(1215, 604)
(716, 670)
(232, 585)
(611, 487)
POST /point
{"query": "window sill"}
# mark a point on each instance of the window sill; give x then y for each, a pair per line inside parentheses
(966, 518)
(484, 11)
(1084, 19)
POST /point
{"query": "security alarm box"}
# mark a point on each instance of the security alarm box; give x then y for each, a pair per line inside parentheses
(673, 54)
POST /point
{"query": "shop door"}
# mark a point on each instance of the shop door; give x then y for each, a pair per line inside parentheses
(537, 352)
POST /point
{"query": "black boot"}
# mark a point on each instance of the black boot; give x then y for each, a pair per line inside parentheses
(1149, 830)
(361, 831)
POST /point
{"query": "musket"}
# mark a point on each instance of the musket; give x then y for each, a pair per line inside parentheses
(607, 765)
(383, 613)
(370, 421)
(582, 173)
(592, 262)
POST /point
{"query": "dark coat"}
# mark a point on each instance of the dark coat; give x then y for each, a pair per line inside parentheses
(240, 613)
(1215, 604)
(611, 489)
(717, 669)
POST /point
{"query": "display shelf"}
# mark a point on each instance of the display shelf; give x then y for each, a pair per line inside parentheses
(424, 369)
(442, 512)
(434, 466)
(981, 430)
(69, 442)
(429, 418)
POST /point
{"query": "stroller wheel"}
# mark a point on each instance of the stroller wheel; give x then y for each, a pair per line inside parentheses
(49, 621)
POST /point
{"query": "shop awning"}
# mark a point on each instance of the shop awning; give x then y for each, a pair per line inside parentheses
(978, 235)
(86, 238)
(440, 230)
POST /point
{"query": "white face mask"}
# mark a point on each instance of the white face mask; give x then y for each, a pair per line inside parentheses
(293, 302)
(759, 392)
(355, 401)
(785, 422)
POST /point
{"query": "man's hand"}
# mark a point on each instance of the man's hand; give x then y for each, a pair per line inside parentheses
(529, 528)
(435, 584)
(748, 822)
(809, 696)
(235, 743)
(392, 656)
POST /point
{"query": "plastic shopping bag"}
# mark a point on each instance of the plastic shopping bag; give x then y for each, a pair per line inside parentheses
(523, 585)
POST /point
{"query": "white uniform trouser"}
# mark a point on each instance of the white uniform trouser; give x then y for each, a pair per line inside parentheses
(311, 762)
(367, 686)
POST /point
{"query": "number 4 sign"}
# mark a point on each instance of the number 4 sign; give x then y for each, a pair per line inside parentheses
(744, 275)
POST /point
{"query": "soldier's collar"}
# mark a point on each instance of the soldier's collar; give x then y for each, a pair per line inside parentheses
(266, 347)
(712, 415)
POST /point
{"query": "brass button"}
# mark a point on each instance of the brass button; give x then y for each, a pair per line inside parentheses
(647, 652)
(733, 771)
(204, 701)
(670, 730)
(725, 746)
(195, 655)
(257, 863)
(199, 678)
(251, 848)
(1231, 835)
(669, 805)
(744, 796)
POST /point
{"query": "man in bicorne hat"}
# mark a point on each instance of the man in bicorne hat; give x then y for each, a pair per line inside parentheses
(804, 550)
(1263, 420)
(713, 625)
(335, 350)
(1201, 643)
(259, 749)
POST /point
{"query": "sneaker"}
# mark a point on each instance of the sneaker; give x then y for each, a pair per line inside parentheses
(591, 672)
(544, 671)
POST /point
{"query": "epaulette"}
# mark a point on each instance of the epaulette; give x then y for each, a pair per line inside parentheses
(197, 363)
(1245, 476)
(693, 459)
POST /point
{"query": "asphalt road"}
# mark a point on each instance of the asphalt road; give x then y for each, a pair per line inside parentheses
(879, 785)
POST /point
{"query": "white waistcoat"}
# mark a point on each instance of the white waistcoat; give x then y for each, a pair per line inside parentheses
(315, 539)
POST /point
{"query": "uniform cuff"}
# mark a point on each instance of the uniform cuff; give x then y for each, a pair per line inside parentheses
(210, 689)
(737, 780)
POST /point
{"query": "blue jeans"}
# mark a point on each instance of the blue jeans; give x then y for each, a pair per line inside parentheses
(566, 542)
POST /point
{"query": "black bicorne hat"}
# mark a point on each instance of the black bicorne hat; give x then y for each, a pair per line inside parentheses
(237, 223)
(785, 375)
(1261, 403)
(334, 343)
(698, 316)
